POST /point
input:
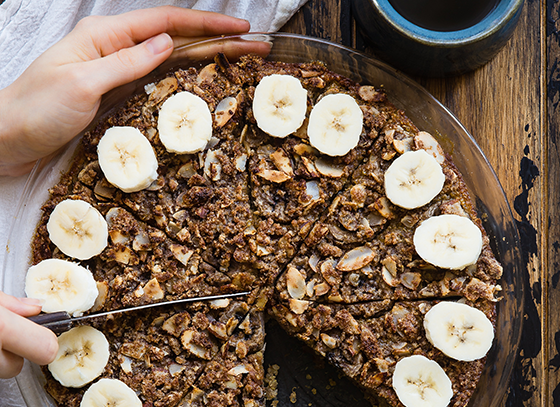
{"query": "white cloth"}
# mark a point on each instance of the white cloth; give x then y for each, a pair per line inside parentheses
(28, 28)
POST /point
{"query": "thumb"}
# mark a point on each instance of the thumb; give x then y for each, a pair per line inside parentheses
(128, 64)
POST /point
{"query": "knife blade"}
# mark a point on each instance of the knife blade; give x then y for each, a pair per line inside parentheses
(59, 322)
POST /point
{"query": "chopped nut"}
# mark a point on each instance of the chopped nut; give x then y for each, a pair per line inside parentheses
(356, 259)
(104, 190)
(176, 324)
(329, 341)
(123, 255)
(358, 194)
(212, 165)
(368, 93)
(118, 238)
(175, 369)
(153, 290)
(181, 253)
(217, 304)
(218, 329)
(402, 146)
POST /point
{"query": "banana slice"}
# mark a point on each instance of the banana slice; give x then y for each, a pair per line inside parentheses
(413, 179)
(335, 124)
(62, 285)
(185, 123)
(421, 382)
(78, 229)
(448, 241)
(459, 330)
(110, 393)
(83, 353)
(127, 158)
(279, 105)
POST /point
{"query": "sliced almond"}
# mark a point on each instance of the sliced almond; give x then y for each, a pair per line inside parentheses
(282, 162)
(393, 281)
(103, 290)
(356, 259)
(309, 166)
(175, 369)
(390, 264)
(383, 207)
(321, 289)
(218, 329)
(273, 175)
(328, 169)
(298, 306)
(411, 280)
(225, 110)
(237, 370)
(186, 170)
(426, 141)
(295, 282)
(241, 162)
(118, 238)
(207, 74)
(163, 88)
(217, 304)
(301, 149)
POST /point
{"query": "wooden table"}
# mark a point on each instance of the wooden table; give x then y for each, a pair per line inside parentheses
(511, 106)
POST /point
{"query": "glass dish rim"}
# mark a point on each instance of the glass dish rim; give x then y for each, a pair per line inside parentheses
(37, 171)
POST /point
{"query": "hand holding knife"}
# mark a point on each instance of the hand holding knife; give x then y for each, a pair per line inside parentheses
(59, 322)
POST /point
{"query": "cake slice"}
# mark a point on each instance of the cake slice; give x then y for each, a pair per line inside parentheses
(363, 246)
(235, 377)
(367, 340)
(159, 353)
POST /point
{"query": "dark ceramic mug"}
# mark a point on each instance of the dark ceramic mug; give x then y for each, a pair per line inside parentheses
(432, 52)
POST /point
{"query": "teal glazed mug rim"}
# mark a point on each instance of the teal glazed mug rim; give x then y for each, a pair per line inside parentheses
(424, 52)
(491, 24)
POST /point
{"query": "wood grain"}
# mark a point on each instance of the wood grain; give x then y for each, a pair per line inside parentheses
(504, 105)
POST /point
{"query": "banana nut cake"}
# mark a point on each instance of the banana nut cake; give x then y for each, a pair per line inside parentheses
(344, 222)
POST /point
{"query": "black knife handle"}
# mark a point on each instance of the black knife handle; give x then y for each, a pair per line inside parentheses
(58, 322)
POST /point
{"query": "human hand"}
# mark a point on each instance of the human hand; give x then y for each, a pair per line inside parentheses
(59, 94)
(20, 338)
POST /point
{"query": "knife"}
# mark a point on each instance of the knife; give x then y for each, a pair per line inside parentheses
(59, 322)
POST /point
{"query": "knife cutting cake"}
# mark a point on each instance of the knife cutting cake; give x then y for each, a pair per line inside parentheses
(344, 222)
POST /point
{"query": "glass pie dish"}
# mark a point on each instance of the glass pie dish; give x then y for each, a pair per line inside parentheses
(426, 112)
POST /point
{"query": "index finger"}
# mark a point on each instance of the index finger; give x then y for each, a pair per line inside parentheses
(112, 33)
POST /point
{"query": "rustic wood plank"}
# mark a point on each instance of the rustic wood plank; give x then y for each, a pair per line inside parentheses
(553, 194)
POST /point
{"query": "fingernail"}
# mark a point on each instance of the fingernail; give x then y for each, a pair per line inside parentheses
(32, 301)
(159, 44)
